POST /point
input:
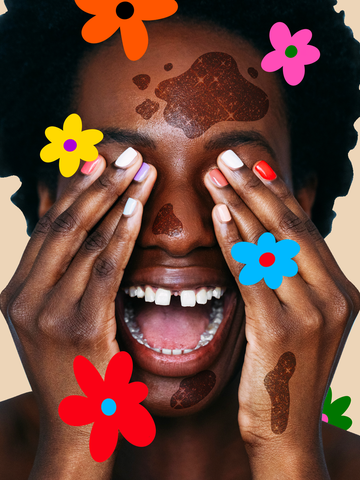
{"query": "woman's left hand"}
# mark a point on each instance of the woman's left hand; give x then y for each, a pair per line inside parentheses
(295, 333)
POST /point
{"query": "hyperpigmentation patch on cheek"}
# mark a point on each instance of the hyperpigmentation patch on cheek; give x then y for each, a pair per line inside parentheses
(193, 389)
(142, 81)
(168, 67)
(277, 385)
(166, 222)
(147, 109)
(211, 91)
(253, 72)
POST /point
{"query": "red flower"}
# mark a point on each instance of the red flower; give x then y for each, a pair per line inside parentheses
(111, 404)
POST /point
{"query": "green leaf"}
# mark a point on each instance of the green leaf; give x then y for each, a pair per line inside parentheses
(340, 405)
(341, 422)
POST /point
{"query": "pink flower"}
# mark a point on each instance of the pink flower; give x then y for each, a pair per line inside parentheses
(111, 404)
(291, 52)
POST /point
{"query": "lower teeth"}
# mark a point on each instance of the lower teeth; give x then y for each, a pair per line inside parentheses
(216, 317)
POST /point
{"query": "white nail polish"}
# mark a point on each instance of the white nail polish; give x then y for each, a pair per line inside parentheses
(126, 158)
(129, 207)
(232, 160)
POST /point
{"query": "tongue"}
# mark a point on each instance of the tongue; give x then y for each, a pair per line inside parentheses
(173, 326)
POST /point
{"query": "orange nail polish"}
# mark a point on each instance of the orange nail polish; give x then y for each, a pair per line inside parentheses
(89, 167)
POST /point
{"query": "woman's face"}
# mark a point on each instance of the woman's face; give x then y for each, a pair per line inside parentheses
(181, 129)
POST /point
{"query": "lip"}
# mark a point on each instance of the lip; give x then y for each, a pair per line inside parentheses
(176, 365)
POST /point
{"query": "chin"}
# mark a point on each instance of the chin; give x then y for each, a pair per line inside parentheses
(185, 337)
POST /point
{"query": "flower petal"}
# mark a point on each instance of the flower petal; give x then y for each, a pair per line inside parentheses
(51, 152)
(272, 61)
(341, 422)
(103, 439)
(69, 163)
(244, 252)
(54, 134)
(289, 268)
(133, 393)
(76, 411)
(251, 274)
(273, 278)
(266, 242)
(92, 136)
(154, 10)
(88, 378)
(280, 36)
(137, 426)
(294, 72)
(301, 38)
(72, 125)
(90, 6)
(135, 38)
(286, 249)
(86, 152)
(100, 28)
(119, 371)
(309, 54)
(340, 405)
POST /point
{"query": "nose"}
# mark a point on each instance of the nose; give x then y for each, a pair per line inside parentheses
(177, 218)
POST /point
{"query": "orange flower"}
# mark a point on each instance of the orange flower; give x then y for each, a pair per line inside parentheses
(128, 16)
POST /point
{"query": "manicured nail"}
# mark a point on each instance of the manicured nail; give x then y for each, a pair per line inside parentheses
(223, 213)
(89, 167)
(129, 207)
(231, 160)
(126, 158)
(218, 178)
(265, 171)
(142, 172)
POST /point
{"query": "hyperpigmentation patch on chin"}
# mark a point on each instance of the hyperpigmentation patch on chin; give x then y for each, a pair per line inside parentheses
(193, 389)
(142, 81)
(166, 222)
(277, 385)
(211, 91)
(147, 109)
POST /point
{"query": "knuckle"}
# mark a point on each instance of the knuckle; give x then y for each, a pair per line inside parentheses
(97, 241)
(344, 306)
(283, 193)
(313, 231)
(291, 224)
(251, 184)
(104, 267)
(105, 182)
(4, 301)
(43, 225)
(64, 223)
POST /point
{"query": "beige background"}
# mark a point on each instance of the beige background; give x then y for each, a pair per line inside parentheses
(343, 241)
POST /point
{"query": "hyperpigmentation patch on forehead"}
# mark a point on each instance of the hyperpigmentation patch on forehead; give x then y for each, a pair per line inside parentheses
(211, 91)
(147, 109)
(168, 66)
(142, 81)
(166, 222)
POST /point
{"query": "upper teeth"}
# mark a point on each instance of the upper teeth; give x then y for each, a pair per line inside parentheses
(162, 296)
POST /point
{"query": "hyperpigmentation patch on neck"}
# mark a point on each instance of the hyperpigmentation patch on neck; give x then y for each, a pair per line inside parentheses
(211, 91)
(166, 222)
(193, 389)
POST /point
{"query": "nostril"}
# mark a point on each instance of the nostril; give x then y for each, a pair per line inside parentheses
(166, 222)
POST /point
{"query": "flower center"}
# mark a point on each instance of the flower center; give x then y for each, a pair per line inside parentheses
(267, 259)
(108, 407)
(70, 145)
(325, 418)
(291, 51)
(124, 10)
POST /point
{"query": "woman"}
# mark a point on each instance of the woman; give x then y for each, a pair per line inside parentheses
(165, 237)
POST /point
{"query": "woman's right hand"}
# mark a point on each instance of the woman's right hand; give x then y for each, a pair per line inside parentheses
(61, 303)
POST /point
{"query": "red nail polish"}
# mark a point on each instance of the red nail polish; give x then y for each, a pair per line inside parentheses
(218, 178)
(265, 170)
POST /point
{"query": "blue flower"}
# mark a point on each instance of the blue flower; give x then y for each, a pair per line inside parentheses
(268, 260)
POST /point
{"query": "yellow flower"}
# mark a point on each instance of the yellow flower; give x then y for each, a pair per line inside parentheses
(70, 145)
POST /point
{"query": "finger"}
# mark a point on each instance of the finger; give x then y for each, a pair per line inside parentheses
(276, 217)
(228, 235)
(73, 283)
(70, 229)
(78, 184)
(108, 268)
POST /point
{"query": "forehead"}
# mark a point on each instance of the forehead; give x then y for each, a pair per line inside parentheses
(118, 93)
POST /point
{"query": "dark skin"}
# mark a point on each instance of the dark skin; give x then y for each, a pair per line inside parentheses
(309, 315)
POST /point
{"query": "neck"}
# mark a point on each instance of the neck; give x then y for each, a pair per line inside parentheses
(201, 446)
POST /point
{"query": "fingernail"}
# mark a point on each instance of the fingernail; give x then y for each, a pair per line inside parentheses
(218, 178)
(126, 158)
(265, 171)
(89, 167)
(231, 159)
(129, 207)
(142, 172)
(223, 213)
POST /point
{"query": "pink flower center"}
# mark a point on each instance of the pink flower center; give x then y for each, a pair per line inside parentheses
(267, 259)
(291, 51)
(70, 145)
(325, 418)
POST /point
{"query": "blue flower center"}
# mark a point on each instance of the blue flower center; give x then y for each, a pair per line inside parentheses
(108, 407)
(70, 145)
(267, 259)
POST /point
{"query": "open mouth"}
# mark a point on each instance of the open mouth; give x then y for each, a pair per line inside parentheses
(174, 332)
